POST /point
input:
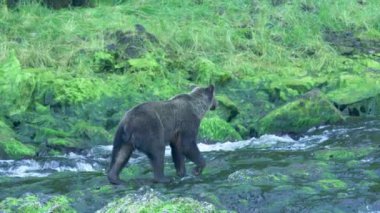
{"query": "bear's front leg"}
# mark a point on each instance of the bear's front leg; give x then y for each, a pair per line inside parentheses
(193, 154)
(157, 161)
(178, 159)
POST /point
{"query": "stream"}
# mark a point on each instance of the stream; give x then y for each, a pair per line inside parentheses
(333, 168)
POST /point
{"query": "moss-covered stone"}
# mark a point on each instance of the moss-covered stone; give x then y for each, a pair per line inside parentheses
(60, 143)
(310, 110)
(217, 129)
(330, 185)
(226, 107)
(342, 154)
(34, 204)
(259, 178)
(10, 148)
(357, 95)
(153, 202)
(283, 88)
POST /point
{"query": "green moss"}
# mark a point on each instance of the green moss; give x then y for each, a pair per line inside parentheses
(205, 72)
(144, 63)
(342, 154)
(217, 129)
(259, 178)
(152, 202)
(226, 107)
(33, 204)
(131, 171)
(16, 86)
(308, 190)
(365, 85)
(330, 184)
(12, 148)
(90, 134)
(54, 132)
(75, 90)
(297, 116)
(60, 142)
(270, 179)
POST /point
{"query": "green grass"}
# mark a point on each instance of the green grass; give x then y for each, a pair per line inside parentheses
(213, 30)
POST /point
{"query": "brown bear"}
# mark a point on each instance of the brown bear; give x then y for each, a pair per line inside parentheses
(150, 126)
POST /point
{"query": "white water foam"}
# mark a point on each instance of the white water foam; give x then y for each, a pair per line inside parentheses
(33, 168)
(267, 142)
(100, 155)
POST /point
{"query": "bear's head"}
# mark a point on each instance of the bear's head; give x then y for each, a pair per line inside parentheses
(211, 94)
(206, 95)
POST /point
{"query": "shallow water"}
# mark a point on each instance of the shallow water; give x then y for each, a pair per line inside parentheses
(330, 168)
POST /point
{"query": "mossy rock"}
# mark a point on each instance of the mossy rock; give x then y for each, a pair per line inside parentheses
(227, 107)
(154, 202)
(60, 143)
(310, 110)
(286, 85)
(330, 185)
(34, 204)
(342, 154)
(357, 95)
(216, 129)
(259, 178)
(10, 148)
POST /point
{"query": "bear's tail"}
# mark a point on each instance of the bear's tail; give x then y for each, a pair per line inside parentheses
(119, 138)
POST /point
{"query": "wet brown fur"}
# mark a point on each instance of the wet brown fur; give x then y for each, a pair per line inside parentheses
(150, 126)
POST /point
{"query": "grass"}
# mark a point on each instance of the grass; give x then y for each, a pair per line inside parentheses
(217, 31)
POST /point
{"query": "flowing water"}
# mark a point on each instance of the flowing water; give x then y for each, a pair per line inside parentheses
(328, 169)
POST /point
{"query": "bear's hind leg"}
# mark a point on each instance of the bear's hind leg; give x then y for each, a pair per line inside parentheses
(118, 163)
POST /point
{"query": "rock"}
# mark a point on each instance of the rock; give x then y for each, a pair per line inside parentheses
(36, 203)
(342, 154)
(227, 107)
(152, 201)
(357, 95)
(312, 109)
(215, 129)
(126, 50)
(330, 185)
(259, 178)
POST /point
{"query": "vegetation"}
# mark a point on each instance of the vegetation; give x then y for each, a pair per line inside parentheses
(35, 204)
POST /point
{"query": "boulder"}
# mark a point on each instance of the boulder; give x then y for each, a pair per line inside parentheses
(357, 95)
(312, 109)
